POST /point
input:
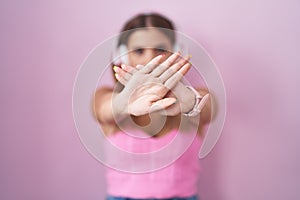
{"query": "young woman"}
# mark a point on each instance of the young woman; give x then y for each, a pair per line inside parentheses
(150, 98)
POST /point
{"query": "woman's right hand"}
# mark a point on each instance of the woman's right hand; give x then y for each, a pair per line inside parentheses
(146, 88)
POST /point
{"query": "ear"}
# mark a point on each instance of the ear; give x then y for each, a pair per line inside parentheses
(120, 55)
(123, 54)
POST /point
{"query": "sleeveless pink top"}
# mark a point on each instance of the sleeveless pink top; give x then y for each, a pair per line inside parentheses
(174, 173)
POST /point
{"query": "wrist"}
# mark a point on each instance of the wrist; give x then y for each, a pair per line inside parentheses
(189, 101)
(199, 103)
(119, 106)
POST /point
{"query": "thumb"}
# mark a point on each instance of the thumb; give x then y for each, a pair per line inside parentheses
(162, 104)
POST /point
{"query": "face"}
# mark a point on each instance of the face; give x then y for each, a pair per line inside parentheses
(145, 44)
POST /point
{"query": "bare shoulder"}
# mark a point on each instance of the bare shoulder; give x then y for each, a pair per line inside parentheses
(100, 96)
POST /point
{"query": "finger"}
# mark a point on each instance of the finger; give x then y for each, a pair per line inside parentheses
(162, 104)
(176, 77)
(203, 102)
(174, 68)
(165, 65)
(183, 70)
(138, 67)
(120, 79)
(121, 75)
(152, 64)
(173, 80)
(184, 60)
(171, 59)
(170, 111)
(128, 68)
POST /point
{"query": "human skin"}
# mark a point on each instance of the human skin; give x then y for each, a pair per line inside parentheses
(143, 46)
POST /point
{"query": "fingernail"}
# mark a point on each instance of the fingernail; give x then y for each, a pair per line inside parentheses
(116, 75)
(115, 68)
(159, 56)
(123, 66)
(175, 101)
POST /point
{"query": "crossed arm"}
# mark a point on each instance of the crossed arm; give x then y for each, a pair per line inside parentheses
(155, 87)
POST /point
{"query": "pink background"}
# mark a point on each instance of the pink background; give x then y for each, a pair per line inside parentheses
(254, 43)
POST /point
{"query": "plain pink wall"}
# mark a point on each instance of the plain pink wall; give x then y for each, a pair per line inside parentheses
(254, 43)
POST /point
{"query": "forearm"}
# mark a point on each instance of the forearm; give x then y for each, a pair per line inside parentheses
(205, 114)
(106, 110)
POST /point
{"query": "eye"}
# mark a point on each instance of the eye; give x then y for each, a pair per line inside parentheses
(139, 51)
(161, 50)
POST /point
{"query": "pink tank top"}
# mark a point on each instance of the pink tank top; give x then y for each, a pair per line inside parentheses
(175, 175)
